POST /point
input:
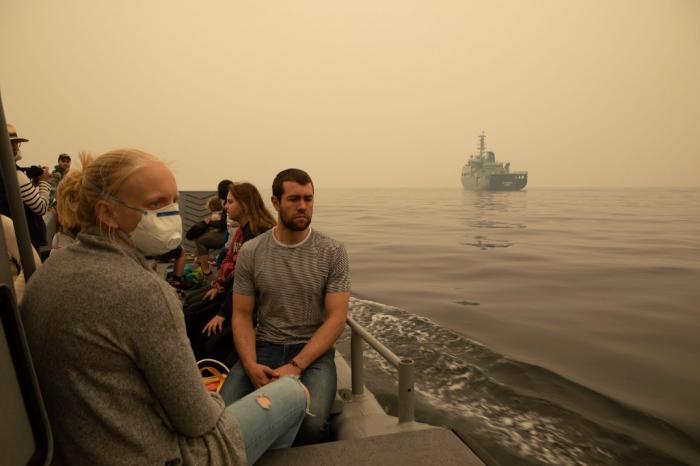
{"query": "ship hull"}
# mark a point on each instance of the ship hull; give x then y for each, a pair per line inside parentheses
(495, 182)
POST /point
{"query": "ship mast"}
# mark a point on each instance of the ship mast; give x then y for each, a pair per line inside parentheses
(482, 144)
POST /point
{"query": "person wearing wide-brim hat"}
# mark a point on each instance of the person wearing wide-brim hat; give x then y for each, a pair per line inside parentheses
(15, 140)
(12, 131)
(35, 198)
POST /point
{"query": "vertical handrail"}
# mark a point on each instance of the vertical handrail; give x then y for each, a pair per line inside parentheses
(405, 367)
(9, 314)
(14, 200)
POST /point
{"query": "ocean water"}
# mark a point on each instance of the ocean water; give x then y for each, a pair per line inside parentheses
(548, 326)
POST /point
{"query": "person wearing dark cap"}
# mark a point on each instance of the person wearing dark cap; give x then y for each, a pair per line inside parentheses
(60, 170)
(50, 218)
(34, 195)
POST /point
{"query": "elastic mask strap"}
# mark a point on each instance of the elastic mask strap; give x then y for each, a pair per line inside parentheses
(112, 198)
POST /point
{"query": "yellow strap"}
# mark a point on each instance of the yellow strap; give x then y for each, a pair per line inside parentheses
(215, 377)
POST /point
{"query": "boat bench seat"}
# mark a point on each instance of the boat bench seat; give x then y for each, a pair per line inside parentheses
(429, 446)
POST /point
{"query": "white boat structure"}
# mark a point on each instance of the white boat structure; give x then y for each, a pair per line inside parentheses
(484, 173)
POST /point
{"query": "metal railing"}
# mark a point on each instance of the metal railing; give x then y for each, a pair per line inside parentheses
(404, 365)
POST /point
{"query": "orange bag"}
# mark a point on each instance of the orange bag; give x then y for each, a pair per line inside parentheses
(214, 374)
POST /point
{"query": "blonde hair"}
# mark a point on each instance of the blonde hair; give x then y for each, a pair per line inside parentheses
(66, 207)
(214, 204)
(97, 179)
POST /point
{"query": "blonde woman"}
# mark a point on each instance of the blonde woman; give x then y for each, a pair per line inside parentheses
(66, 214)
(108, 339)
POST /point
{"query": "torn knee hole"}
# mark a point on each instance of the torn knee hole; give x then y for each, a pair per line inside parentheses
(308, 398)
(263, 401)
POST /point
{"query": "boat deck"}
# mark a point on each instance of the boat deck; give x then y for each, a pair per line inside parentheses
(431, 446)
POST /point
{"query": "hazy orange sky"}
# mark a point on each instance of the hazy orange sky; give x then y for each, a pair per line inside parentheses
(363, 93)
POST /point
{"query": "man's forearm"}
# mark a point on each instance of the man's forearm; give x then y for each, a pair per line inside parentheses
(244, 338)
(321, 341)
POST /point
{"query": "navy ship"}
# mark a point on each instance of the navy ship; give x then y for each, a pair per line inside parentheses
(484, 173)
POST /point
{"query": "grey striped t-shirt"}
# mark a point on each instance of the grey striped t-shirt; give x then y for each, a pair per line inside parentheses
(290, 283)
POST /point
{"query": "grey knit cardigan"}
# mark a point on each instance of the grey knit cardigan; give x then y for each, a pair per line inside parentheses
(120, 383)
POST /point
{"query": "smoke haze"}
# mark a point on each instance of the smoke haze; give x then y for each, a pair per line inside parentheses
(363, 93)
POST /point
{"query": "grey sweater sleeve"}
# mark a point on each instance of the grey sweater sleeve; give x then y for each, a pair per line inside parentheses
(169, 366)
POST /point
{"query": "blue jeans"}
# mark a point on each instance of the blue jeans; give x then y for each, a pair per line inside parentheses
(270, 425)
(319, 378)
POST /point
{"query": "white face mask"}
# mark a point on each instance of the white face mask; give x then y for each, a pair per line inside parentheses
(18, 155)
(158, 231)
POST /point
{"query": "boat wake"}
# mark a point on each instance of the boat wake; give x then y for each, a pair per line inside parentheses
(518, 413)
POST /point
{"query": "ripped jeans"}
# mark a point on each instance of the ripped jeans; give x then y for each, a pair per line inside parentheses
(319, 378)
(270, 417)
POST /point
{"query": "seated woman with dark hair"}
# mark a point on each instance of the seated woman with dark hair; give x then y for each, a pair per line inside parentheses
(108, 339)
(205, 318)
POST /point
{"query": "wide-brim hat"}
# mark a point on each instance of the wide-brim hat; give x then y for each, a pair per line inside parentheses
(12, 131)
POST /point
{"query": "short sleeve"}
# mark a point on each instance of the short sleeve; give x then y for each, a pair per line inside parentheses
(245, 267)
(339, 271)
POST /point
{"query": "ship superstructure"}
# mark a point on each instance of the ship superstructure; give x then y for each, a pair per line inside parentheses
(484, 173)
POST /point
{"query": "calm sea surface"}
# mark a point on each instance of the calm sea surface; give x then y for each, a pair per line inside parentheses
(551, 326)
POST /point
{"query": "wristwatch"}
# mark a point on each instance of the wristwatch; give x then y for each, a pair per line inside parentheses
(294, 363)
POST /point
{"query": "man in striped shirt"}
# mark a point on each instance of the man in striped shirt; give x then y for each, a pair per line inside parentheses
(298, 280)
(35, 198)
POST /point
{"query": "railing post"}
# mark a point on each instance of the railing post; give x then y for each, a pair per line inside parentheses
(404, 366)
(357, 363)
(406, 398)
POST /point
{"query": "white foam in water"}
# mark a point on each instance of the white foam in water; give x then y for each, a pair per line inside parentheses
(520, 430)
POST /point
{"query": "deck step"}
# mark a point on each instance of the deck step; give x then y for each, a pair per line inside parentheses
(431, 446)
